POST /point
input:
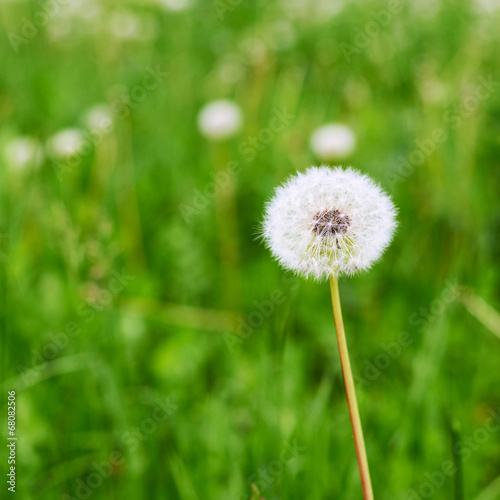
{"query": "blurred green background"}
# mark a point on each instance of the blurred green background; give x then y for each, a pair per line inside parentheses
(205, 367)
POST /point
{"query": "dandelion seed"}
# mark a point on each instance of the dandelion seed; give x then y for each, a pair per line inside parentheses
(333, 141)
(220, 120)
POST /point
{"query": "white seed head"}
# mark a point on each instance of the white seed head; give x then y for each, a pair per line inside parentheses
(328, 221)
(100, 117)
(333, 141)
(220, 120)
(23, 153)
(66, 142)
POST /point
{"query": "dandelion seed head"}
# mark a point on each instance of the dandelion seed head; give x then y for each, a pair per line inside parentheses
(220, 120)
(99, 117)
(66, 142)
(21, 153)
(328, 221)
(333, 141)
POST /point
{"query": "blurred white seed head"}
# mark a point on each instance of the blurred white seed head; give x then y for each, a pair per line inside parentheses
(328, 221)
(333, 141)
(66, 142)
(99, 117)
(220, 120)
(23, 153)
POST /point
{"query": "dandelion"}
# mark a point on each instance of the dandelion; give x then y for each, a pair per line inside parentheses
(325, 223)
(333, 141)
(99, 117)
(21, 153)
(220, 120)
(328, 222)
(65, 143)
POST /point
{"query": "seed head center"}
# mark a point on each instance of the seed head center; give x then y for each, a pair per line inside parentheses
(330, 222)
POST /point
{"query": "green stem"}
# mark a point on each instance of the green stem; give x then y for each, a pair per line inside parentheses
(352, 403)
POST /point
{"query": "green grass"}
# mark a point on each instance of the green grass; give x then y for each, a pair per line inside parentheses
(227, 408)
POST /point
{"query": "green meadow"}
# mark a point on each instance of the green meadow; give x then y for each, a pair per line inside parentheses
(155, 347)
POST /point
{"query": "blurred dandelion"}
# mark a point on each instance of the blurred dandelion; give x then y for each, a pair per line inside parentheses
(333, 141)
(99, 117)
(325, 223)
(23, 153)
(65, 143)
(220, 120)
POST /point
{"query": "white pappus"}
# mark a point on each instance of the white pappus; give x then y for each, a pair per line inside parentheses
(331, 141)
(220, 120)
(328, 221)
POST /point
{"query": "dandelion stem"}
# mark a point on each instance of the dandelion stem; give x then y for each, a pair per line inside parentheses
(352, 403)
